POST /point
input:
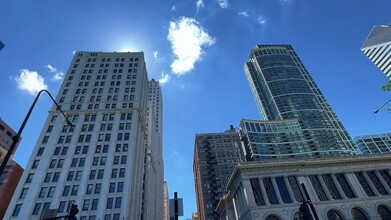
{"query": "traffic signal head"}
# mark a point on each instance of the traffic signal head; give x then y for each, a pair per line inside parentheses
(73, 212)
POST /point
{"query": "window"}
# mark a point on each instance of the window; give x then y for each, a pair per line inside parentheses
(64, 151)
(74, 162)
(35, 164)
(86, 204)
(50, 128)
(61, 207)
(118, 202)
(85, 149)
(56, 176)
(75, 188)
(47, 177)
(109, 204)
(60, 163)
(89, 189)
(77, 150)
(52, 163)
(103, 161)
(100, 174)
(57, 151)
(107, 137)
(120, 187)
(70, 175)
(40, 151)
(122, 172)
(17, 210)
(51, 191)
(37, 208)
(42, 193)
(112, 188)
(114, 173)
(66, 190)
(98, 187)
(45, 139)
(61, 139)
(78, 175)
(82, 162)
(94, 204)
(123, 159)
(92, 174)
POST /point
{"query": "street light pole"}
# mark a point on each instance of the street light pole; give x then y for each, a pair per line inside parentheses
(378, 109)
(15, 138)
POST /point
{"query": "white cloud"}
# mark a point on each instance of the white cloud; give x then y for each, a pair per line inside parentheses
(173, 8)
(74, 52)
(187, 40)
(261, 20)
(243, 13)
(223, 3)
(200, 4)
(165, 78)
(58, 75)
(155, 54)
(30, 81)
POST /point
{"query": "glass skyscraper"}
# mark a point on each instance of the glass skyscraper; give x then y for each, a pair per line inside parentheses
(283, 89)
(377, 47)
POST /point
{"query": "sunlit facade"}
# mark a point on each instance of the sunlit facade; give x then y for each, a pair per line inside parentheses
(283, 89)
(100, 163)
(377, 47)
(356, 187)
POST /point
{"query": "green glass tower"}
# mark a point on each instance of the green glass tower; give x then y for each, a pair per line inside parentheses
(284, 90)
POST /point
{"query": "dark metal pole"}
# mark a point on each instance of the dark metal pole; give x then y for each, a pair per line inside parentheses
(176, 205)
(378, 109)
(16, 138)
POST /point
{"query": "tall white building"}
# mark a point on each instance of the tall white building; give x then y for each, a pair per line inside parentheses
(153, 188)
(100, 163)
(377, 47)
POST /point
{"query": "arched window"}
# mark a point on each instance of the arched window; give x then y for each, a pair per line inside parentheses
(384, 212)
(359, 214)
(334, 215)
(272, 217)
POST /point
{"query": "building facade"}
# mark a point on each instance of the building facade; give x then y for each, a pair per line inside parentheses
(354, 187)
(377, 47)
(6, 134)
(283, 89)
(99, 163)
(374, 144)
(8, 182)
(215, 157)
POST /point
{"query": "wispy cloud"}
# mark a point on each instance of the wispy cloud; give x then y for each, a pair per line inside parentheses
(58, 75)
(223, 3)
(187, 38)
(243, 13)
(173, 8)
(155, 55)
(74, 52)
(165, 78)
(200, 4)
(30, 81)
(261, 20)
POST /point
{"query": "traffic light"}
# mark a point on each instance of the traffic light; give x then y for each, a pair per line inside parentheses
(305, 211)
(73, 212)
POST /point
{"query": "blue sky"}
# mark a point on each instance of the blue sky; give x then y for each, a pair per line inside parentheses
(197, 48)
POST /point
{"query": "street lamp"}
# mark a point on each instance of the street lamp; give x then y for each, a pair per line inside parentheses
(15, 138)
(378, 109)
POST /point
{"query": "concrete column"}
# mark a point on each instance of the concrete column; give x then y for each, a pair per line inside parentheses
(277, 191)
(248, 193)
(263, 190)
(290, 191)
(383, 182)
(325, 188)
(340, 190)
(371, 185)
